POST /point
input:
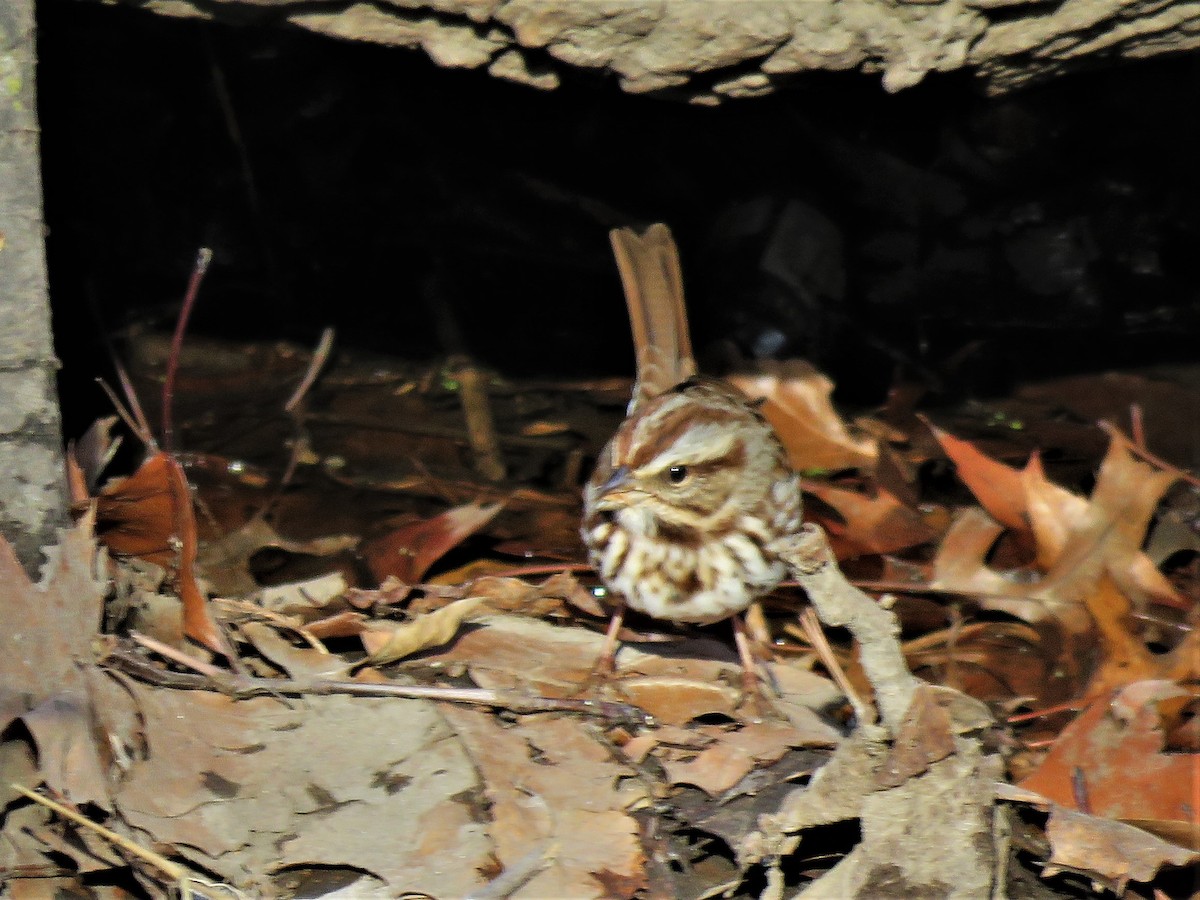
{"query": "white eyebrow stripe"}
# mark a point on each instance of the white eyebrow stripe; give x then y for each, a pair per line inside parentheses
(697, 444)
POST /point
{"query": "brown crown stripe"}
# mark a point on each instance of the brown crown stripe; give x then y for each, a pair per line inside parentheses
(673, 425)
(734, 459)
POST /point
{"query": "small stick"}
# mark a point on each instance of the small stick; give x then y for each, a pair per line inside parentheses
(320, 356)
(244, 686)
(177, 656)
(177, 873)
(135, 406)
(203, 258)
(126, 416)
(1038, 745)
(298, 415)
(838, 603)
(481, 427)
(816, 636)
(1079, 791)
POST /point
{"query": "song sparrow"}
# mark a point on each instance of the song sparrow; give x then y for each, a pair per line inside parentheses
(689, 494)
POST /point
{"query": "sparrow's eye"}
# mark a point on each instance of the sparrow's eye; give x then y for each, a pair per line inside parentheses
(677, 474)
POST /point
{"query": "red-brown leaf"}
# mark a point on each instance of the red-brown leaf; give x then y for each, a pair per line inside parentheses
(408, 552)
(149, 515)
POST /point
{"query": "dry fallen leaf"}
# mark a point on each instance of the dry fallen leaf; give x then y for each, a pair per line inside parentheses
(45, 651)
(297, 662)
(1074, 536)
(251, 789)
(734, 754)
(149, 515)
(1113, 851)
(387, 642)
(226, 562)
(797, 403)
(550, 782)
(407, 552)
(996, 486)
(1113, 755)
(865, 524)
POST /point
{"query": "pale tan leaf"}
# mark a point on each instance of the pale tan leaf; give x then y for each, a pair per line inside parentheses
(733, 756)
(392, 642)
(252, 787)
(798, 405)
(551, 782)
(1116, 852)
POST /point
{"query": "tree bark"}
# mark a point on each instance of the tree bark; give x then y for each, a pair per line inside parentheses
(33, 499)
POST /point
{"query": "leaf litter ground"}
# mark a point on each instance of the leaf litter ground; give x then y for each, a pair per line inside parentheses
(222, 678)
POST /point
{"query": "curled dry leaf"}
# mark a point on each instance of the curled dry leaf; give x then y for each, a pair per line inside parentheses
(1073, 535)
(735, 754)
(389, 643)
(865, 524)
(1114, 851)
(298, 662)
(797, 403)
(516, 652)
(306, 600)
(149, 515)
(347, 623)
(550, 597)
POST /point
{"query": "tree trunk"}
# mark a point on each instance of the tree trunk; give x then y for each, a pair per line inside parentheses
(33, 498)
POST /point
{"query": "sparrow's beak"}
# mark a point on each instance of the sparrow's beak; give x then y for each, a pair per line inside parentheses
(609, 493)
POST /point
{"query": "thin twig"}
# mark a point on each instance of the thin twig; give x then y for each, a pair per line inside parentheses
(143, 430)
(126, 416)
(1137, 429)
(816, 637)
(320, 356)
(244, 686)
(177, 656)
(203, 258)
(177, 873)
(838, 604)
(481, 425)
(296, 412)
